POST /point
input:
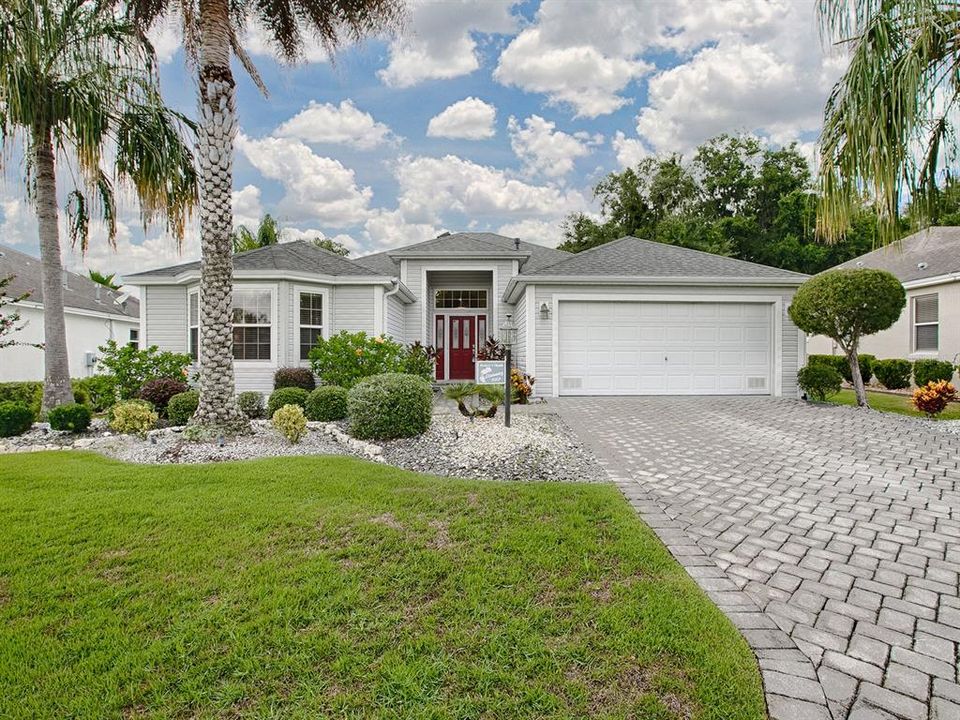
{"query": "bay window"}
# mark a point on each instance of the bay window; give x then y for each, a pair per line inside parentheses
(252, 324)
(311, 322)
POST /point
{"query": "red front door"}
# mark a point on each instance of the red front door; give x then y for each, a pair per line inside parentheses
(460, 346)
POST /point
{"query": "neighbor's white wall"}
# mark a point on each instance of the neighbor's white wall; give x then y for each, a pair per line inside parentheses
(544, 328)
(896, 341)
(84, 334)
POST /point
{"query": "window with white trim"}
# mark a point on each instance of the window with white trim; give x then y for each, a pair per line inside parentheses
(134, 340)
(193, 326)
(926, 323)
(311, 322)
(252, 324)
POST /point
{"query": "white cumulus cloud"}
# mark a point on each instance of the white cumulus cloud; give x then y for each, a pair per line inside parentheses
(338, 124)
(468, 119)
(439, 42)
(545, 150)
(630, 151)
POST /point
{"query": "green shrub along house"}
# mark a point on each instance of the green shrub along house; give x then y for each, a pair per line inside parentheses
(631, 317)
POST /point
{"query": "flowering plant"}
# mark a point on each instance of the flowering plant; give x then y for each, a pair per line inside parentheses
(934, 397)
(346, 358)
(522, 384)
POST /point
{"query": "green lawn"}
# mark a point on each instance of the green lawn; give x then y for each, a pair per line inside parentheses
(329, 587)
(892, 403)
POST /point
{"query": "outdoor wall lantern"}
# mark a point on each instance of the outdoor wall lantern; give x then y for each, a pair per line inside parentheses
(508, 336)
(544, 311)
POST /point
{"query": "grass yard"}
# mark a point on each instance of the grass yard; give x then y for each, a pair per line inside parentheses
(332, 588)
(892, 403)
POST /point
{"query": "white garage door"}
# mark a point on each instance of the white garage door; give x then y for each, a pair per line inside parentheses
(664, 348)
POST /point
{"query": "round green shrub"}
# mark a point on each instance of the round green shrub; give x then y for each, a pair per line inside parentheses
(286, 396)
(182, 406)
(327, 403)
(819, 381)
(71, 417)
(391, 405)
(101, 391)
(133, 417)
(294, 377)
(15, 418)
(842, 365)
(927, 371)
(251, 404)
(290, 422)
(893, 374)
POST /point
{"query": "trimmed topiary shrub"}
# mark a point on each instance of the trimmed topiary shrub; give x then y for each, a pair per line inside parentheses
(290, 422)
(133, 417)
(819, 381)
(15, 418)
(866, 367)
(286, 396)
(294, 377)
(388, 406)
(893, 374)
(251, 404)
(934, 397)
(928, 371)
(72, 417)
(182, 406)
(842, 365)
(158, 392)
(327, 403)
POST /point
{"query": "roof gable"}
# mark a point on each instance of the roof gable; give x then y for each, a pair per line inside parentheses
(633, 257)
(925, 254)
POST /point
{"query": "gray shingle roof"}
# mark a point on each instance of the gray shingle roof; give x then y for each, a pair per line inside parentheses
(298, 256)
(468, 243)
(80, 293)
(630, 256)
(937, 247)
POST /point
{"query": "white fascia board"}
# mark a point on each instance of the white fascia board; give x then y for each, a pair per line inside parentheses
(512, 291)
(935, 280)
(256, 275)
(453, 257)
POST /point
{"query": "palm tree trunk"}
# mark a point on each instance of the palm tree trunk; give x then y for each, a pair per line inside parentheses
(218, 125)
(56, 376)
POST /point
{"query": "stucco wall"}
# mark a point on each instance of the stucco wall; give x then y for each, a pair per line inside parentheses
(84, 334)
(791, 347)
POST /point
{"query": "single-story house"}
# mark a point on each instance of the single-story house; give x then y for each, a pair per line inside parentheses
(93, 315)
(631, 317)
(928, 265)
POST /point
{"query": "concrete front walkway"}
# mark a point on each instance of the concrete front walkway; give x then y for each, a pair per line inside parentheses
(829, 535)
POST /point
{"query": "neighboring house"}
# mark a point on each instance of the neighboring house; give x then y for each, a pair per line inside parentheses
(631, 317)
(93, 315)
(928, 265)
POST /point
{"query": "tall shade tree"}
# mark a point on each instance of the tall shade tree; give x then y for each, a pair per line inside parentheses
(890, 123)
(212, 33)
(78, 85)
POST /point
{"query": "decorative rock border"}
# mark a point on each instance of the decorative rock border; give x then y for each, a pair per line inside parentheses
(368, 450)
(790, 685)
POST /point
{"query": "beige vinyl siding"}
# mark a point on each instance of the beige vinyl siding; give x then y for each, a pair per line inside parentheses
(544, 328)
(166, 317)
(353, 308)
(394, 318)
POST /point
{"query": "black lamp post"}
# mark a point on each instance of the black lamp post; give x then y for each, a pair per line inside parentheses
(508, 334)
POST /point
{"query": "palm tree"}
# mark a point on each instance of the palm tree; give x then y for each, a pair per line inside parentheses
(268, 233)
(76, 78)
(212, 32)
(103, 279)
(890, 122)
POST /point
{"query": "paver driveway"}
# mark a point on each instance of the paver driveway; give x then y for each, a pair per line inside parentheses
(842, 526)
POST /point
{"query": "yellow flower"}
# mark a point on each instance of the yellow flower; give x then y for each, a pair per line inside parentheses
(378, 339)
(359, 352)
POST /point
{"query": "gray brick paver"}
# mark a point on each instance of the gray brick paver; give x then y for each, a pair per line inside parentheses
(830, 535)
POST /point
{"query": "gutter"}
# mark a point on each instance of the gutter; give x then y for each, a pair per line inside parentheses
(512, 292)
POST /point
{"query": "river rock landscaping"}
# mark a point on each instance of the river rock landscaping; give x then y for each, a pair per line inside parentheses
(536, 447)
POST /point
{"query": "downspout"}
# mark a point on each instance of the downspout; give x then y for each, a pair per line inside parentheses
(386, 295)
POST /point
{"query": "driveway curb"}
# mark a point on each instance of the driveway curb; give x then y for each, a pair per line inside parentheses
(790, 685)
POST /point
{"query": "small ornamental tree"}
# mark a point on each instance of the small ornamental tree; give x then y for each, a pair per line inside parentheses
(845, 305)
(10, 321)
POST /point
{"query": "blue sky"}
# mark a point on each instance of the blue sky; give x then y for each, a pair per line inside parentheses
(487, 114)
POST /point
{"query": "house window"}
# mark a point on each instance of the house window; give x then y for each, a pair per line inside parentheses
(926, 323)
(461, 299)
(193, 324)
(134, 341)
(311, 322)
(252, 313)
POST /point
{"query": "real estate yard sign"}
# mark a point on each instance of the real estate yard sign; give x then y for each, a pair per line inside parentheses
(491, 372)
